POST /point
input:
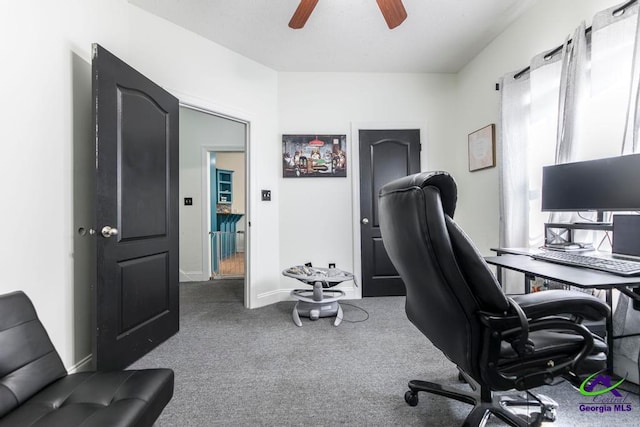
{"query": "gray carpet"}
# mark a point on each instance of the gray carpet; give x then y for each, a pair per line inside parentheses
(237, 367)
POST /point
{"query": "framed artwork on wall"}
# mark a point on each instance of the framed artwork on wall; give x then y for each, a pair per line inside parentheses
(314, 156)
(482, 148)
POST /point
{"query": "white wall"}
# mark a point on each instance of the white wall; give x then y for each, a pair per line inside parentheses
(545, 26)
(45, 155)
(317, 215)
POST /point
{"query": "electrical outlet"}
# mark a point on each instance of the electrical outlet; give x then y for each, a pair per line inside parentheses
(266, 195)
(332, 265)
(188, 201)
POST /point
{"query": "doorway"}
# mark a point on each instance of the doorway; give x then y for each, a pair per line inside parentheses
(227, 225)
(211, 141)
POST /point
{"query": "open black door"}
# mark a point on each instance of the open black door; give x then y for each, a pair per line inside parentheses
(136, 136)
(385, 155)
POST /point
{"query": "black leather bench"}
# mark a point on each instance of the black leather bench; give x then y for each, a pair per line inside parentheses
(36, 390)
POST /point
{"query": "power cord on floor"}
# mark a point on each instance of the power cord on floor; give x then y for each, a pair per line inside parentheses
(359, 308)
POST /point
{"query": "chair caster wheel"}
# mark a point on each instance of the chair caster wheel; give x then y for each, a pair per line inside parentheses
(411, 397)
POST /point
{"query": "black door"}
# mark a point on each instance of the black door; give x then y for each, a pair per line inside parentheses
(136, 131)
(385, 155)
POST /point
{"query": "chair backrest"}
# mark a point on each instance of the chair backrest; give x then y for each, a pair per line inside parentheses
(28, 360)
(447, 280)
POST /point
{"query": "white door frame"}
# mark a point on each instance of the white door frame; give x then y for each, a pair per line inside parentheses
(225, 112)
(355, 171)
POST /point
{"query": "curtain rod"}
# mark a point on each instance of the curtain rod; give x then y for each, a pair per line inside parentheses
(550, 55)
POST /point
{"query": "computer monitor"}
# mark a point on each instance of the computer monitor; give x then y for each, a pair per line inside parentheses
(602, 185)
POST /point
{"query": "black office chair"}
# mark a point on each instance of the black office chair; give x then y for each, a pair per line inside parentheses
(498, 343)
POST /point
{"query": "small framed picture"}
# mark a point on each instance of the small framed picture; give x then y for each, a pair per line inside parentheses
(482, 148)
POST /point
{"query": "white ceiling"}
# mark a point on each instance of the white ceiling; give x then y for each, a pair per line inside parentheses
(439, 36)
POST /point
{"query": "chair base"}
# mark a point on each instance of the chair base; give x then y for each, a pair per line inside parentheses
(533, 410)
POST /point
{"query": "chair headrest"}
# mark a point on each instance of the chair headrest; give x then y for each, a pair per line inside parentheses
(439, 179)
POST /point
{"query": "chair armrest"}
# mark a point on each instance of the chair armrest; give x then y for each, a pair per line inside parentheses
(554, 302)
(509, 329)
(520, 345)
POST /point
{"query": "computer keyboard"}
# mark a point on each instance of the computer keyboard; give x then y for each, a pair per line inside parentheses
(615, 266)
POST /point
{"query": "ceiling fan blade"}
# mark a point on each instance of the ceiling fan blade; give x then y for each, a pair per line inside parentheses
(393, 12)
(302, 13)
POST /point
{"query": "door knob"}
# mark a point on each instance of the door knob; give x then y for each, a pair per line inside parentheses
(109, 231)
(365, 221)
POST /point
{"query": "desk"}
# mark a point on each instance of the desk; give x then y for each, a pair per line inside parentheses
(516, 259)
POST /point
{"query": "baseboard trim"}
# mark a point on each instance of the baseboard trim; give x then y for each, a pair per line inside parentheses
(193, 276)
(271, 297)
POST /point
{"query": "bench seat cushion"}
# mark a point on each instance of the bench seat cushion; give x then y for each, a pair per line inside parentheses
(96, 399)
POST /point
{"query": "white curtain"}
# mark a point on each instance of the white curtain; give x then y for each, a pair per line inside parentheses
(513, 143)
(513, 157)
(546, 73)
(632, 126)
(613, 37)
(574, 87)
(528, 123)
(573, 96)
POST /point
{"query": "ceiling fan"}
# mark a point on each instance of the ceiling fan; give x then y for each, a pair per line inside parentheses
(392, 10)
